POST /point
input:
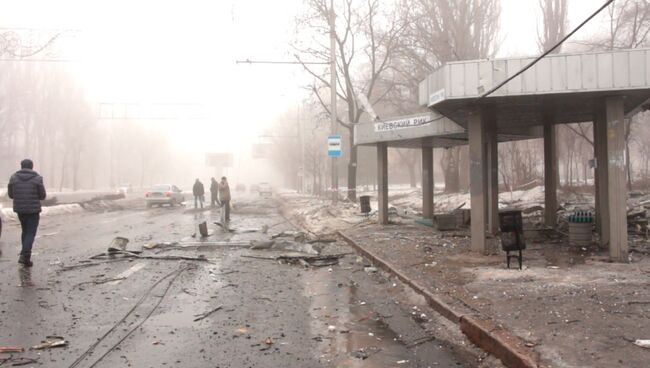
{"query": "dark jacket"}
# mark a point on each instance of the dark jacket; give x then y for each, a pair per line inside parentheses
(27, 190)
(197, 189)
(214, 188)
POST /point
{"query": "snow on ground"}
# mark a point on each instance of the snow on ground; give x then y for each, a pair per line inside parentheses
(321, 217)
(8, 213)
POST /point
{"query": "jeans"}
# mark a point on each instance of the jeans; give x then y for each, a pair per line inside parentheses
(29, 224)
(199, 199)
(213, 199)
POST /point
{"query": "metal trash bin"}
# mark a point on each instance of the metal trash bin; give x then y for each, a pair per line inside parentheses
(512, 234)
(580, 228)
(364, 202)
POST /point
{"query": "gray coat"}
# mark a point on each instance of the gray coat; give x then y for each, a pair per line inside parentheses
(27, 190)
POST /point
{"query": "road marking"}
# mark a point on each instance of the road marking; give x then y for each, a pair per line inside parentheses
(135, 268)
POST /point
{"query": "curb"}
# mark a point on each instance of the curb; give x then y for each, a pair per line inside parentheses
(482, 331)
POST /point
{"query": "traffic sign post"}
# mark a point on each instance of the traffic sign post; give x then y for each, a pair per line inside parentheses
(334, 145)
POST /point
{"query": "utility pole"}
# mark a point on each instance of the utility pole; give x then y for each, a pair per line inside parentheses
(334, 123)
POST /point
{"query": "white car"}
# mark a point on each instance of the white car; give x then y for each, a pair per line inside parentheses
(164, 194)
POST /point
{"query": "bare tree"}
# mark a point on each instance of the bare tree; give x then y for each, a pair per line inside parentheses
(366, 37)
(554, 17)
(445, 30)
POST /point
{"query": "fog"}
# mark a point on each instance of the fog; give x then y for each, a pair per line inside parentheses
(100, 94)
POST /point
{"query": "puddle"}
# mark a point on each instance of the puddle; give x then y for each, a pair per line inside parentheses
(355, 339)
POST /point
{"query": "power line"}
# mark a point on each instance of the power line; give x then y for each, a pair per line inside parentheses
(493, 89)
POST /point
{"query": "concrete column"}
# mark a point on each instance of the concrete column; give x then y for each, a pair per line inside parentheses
(601, 177)
(477, 180)
(427, 182)
(616, 181)
(550, 172)
(492, 172)
(382, 180)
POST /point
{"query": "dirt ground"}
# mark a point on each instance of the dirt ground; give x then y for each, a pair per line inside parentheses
(571, 305)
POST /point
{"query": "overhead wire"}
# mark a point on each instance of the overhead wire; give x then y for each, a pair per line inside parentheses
(174, 274)
(495, 88)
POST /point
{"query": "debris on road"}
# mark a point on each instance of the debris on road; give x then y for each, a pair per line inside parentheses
(302, 258)
(118, 243)
(113, 253)
(643, 343)
(259, 245)
(202, 316)
(225, 227)
(365, 353)
(11, 349)
(203, 229)
(51, 342)
(160, 245)
(19, 361)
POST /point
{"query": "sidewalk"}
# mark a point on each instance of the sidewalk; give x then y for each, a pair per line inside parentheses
(570, 307)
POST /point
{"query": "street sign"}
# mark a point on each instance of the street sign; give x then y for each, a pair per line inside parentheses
(334, 145)
(402, 123)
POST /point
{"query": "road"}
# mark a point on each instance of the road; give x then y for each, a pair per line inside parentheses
(141, 312)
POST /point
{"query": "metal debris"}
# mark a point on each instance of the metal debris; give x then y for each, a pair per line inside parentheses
(11, 349)
(50, 342)
(206, 314)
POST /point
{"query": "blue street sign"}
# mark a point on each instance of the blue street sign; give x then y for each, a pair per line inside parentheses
(334, 145)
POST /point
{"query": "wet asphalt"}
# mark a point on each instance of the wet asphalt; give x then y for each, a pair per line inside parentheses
(146, 312)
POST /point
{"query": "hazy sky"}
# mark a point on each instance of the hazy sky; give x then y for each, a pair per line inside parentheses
(185, 51)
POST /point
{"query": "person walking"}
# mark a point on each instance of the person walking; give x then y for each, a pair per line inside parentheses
(27, 191)
(214, 190)
(224, 196)
(198, 192)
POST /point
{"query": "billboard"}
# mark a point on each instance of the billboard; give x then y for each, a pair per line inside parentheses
(219, 159)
